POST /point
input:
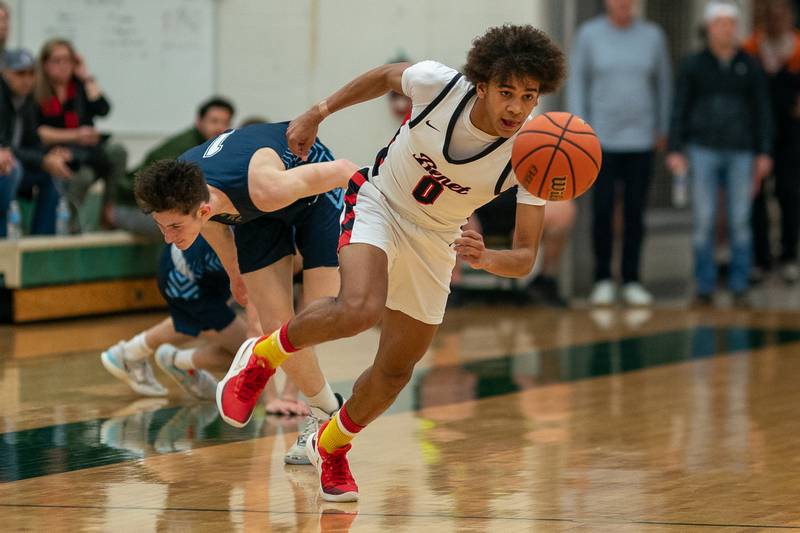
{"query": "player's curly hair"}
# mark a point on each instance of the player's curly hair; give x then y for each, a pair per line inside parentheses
(170, 185)
(511, 51)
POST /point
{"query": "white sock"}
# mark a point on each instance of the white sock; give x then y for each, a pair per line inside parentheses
(324, 400)
(137, 349)
(184, 359)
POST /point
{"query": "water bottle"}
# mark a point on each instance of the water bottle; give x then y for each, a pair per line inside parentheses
(62, 217)
(14, 221)
(680, 190)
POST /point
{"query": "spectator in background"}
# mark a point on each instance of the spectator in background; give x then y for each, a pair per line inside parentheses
(213, 117)
(776, 44)
(399, 104)
(497, 219)
(69, 99)
(253, 119)
(22, 148)
(722, 121)
(5, 21)
(620, 81)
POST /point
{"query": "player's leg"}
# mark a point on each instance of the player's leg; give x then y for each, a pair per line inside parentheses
(128, 360)
(208, 312)
(364, 275)
(417, 291)
(357, 307)
(271, 291)
(320, 282)
(403, 342)
(216, 354)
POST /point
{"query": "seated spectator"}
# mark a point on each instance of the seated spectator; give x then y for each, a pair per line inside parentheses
(69, 99)
(213, 117)
(22, 156)
(5, 17)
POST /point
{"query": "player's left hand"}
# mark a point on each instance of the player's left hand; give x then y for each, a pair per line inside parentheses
(302, 132)
(470, 248)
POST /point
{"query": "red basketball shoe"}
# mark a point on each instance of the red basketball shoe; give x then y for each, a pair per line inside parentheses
(336, 481)
(238, 392)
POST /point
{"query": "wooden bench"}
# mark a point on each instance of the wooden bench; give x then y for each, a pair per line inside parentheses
(69, 276)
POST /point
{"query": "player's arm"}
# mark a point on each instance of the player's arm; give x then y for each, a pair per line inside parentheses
(370, 85)
(272, 187)
(514, 263)
(220, 237)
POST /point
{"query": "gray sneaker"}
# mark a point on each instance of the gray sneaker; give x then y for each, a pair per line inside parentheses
(297, 453)
(138, 375)
(199, 383)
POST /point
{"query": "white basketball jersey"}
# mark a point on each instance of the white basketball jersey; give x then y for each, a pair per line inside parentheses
(419, 176)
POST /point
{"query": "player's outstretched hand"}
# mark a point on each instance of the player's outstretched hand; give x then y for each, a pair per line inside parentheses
(287, 407)
(302, 132)
(470, 248)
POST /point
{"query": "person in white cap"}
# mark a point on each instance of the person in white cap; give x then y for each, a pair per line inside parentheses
(721, 129)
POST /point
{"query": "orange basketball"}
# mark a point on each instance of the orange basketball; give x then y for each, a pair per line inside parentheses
(556, 156)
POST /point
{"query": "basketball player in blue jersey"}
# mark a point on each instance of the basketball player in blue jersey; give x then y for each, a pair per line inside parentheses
(401, 229)
(249, 180)
(197, 292)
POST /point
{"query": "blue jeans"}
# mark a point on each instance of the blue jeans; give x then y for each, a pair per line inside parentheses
(733, 169)
(8, 192)
(39, 187)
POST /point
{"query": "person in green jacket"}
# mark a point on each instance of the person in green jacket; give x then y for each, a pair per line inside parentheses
(213, 117)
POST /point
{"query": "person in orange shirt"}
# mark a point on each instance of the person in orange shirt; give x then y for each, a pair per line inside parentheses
(776, 45)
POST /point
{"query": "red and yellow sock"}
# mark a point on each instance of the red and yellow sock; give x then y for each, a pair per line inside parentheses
(275, 348)
(339, 431)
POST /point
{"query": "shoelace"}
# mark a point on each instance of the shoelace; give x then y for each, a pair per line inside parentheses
(309, 428)
(140, 372)
(251, 382)
(337, 471)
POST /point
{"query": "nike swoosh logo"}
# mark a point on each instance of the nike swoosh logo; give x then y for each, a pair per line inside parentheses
(428, 123)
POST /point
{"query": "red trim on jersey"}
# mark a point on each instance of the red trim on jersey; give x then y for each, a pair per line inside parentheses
(350, 199)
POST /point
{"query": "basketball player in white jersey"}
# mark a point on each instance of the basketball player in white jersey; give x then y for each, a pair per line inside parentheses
(401, 227)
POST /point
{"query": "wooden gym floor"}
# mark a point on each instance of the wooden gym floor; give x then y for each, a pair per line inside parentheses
(518, 419)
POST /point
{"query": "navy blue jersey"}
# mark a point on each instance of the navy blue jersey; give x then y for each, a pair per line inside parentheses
(225, 160)
(196, 288)
(183, 275)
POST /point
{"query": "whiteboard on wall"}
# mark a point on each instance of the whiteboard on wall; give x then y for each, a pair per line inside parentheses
(154, 59)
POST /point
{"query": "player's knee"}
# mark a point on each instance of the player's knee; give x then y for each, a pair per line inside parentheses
(393, 380)
(358, 314)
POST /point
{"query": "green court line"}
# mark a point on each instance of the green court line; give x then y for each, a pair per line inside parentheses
(79, 445)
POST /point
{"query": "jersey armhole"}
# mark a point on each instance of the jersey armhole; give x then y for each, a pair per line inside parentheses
(436, 101)
(498, 188)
